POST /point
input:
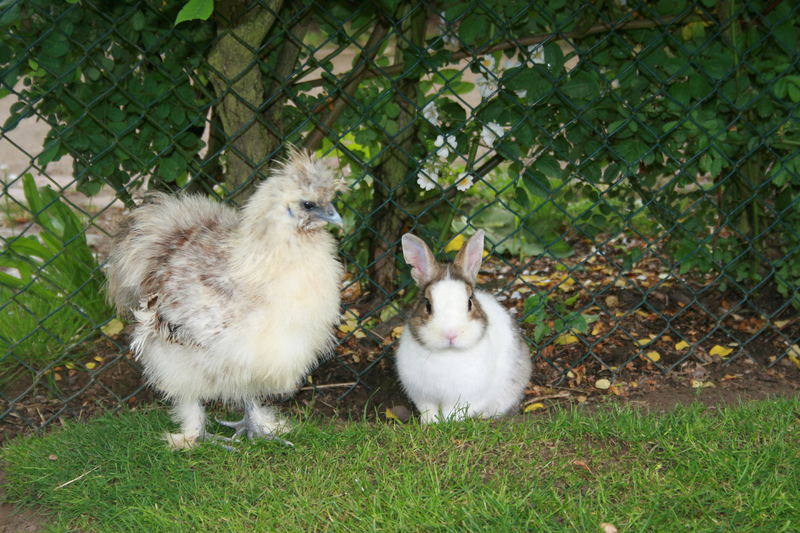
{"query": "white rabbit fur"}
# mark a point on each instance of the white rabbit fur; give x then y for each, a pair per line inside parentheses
(461, 356)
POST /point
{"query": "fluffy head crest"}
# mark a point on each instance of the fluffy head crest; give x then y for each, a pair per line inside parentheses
(309, 173)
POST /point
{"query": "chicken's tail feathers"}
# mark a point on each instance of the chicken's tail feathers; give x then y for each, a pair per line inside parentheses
(126, 266)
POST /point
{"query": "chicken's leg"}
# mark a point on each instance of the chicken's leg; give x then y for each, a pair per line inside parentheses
(259, 422)
(192, 418)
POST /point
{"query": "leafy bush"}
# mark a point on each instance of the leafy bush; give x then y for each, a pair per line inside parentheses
(505, 114)
(50, 286)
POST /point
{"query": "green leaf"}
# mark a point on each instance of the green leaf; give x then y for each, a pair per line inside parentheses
(9, 15)
(632, 151)
(195, 10)
(49, 153)
(554, 56)
(521, 198)
(583, 86)
(536, 183)
(534, 80)
(392, 110)
(548, 165)
(473, 28)
(461, 87)
(509, 150)
(137, 21)
(541, 331)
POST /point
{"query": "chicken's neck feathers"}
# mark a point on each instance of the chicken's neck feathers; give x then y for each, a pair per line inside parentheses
(258, 258)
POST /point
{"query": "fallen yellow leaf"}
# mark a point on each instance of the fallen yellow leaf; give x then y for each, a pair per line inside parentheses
(567, 285)
(350, 314)
(113, 328)
(455, 244)
(602, 384)
(653, 356)
(720, 351)
(566, 338)
(397, 331)
(390, 415)
(642, 342)
(90, 365)
(697, 384)
(533, 407)
(598, 328)
(681, 345)
(794, 355)
(352, 326)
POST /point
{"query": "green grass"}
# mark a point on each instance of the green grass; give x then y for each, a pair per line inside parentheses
(734, 469)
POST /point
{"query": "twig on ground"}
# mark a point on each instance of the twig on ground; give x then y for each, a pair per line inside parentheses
(546, 397)
(77, 478)
(330, 385)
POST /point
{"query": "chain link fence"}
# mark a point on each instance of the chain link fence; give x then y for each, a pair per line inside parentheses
(635, 166)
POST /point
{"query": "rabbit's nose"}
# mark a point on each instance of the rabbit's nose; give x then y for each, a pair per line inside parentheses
(451, 335)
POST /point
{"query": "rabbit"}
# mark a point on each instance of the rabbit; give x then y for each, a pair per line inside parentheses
(460, 354)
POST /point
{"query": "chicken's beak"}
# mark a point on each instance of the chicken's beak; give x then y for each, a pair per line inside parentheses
(329, 214)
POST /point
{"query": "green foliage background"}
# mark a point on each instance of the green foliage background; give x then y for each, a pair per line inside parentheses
(684, 111)
(675, 122)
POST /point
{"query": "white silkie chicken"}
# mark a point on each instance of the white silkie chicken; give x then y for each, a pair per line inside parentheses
(235, 305)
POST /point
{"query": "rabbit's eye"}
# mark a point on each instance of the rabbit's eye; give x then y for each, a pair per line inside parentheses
(469, 304)
(428, 307)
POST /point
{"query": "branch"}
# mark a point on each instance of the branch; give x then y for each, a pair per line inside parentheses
(534, 39)
(337, 103)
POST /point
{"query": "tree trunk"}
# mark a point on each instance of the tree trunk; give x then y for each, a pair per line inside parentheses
(236, 77)
(388, 218)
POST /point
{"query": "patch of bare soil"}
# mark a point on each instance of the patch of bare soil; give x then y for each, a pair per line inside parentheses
(87, 385)
(13, 520)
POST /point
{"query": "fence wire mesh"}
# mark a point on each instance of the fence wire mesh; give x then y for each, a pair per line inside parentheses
(634, 165)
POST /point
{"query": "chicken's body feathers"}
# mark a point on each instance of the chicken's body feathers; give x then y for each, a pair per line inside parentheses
(228, 304)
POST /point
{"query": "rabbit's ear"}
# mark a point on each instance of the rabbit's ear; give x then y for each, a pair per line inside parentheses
(469, 258)
(417, 254)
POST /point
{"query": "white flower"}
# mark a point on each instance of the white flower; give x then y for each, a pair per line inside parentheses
(446, 31)
(536, 52)
(444, 145)
(431, 113)
(486, 86)
(521, 93)
(511, 63)
(486, 80)
(491, 132)
(427, 179)
(464, 181)
(488, 64)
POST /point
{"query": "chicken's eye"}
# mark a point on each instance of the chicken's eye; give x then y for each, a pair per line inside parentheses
(309, 205)
(428, 307)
